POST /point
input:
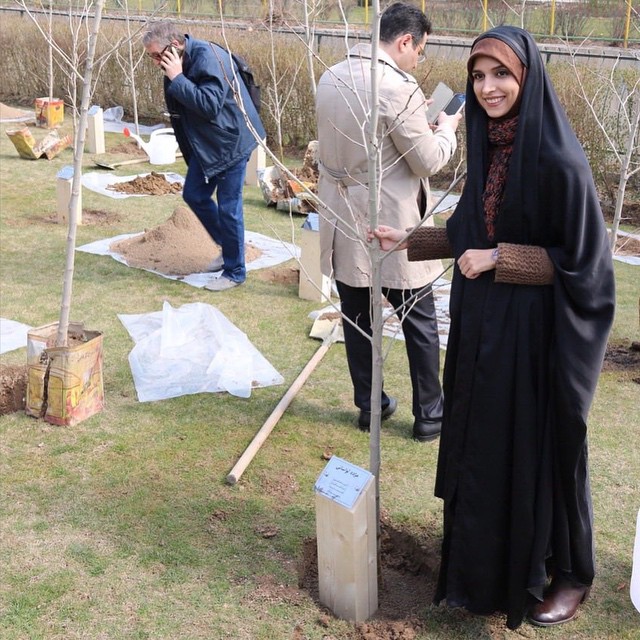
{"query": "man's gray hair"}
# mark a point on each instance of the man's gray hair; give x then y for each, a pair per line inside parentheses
(162, 33)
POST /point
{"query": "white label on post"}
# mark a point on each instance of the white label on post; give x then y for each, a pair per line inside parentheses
(66, 173)
(342, 481)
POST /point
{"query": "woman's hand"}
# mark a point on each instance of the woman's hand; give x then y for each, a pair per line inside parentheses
(473, 262)
(388, 237)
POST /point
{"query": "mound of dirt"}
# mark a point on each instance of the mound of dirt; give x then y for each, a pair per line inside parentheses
(153, 184)
(129, 147)
(11, 113)
(178, 247)
(13, 388)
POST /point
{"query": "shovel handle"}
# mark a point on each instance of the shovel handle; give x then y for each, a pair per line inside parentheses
(276, 414)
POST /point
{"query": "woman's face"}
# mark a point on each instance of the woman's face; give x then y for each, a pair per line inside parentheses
(495, 86)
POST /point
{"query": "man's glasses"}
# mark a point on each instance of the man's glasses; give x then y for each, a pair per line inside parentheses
(158, 56)
(421, 57)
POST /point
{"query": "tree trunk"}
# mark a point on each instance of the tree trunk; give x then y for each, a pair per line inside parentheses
(373, 165)
(625, 172)
(81, 132)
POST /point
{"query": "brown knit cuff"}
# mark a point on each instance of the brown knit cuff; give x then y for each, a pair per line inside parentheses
(429, 243)
(523, 264)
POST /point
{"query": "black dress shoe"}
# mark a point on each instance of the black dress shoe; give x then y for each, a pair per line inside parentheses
(560, 604)
(364, 419)
(424, 430)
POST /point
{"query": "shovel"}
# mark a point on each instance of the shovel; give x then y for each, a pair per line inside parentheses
(103, 164)
(260, 437)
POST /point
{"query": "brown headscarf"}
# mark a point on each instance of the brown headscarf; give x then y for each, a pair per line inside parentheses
(498, 50)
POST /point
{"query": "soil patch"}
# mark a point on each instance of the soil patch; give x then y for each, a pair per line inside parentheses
(408, 575)
(153, 184)
(99, 218)
(280, 275)
(90, 217)
(13, 388)
(178, 247)
(129, 148)
(622, 357)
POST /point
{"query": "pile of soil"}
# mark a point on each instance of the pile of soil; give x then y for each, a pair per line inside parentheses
(10, 113)
(154, 184)
(129, 147)
(178, 247)
(13, 388)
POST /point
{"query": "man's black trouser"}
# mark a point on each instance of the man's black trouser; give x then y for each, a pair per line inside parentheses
(420, 329)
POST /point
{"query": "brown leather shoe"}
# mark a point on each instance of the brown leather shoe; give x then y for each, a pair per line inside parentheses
(560, 604)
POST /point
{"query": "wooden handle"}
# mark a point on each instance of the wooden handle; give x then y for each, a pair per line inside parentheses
(276, 414)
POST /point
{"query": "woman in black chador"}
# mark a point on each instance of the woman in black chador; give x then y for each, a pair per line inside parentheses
(532, 302)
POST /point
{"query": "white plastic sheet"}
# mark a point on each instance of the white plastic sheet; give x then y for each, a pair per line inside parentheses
(13, 335)
(193, 349)
(98, 182)
(272, 252)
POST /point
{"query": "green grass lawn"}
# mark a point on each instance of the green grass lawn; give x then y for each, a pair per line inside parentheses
(122, 527)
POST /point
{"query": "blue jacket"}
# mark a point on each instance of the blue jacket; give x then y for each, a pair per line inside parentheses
(206, 119)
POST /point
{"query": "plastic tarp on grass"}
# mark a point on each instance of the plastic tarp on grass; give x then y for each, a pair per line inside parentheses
(272, 252)
(13, 335)
(193, 349)
(99, 183)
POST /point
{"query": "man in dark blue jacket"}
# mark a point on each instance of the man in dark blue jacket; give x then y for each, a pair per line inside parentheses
(202, 91)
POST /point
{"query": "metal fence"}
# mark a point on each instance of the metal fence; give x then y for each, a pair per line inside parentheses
(603, 22)
(613, 22)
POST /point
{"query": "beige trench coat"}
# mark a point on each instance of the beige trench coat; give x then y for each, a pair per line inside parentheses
(410, 153)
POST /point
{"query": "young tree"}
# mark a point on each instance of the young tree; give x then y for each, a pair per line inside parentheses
(78, 152)
(81, 68)
(370, 139)
(615, 107)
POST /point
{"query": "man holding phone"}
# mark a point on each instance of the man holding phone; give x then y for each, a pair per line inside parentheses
(200, 89)
(410, 152)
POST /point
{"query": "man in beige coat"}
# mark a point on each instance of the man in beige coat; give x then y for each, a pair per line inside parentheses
(410, 152)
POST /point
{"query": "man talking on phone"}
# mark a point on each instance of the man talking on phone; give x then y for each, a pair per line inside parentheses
(410, 152)
(200, 92)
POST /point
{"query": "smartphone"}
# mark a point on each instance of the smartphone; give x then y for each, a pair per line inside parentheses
(455, 105)
(441, 96)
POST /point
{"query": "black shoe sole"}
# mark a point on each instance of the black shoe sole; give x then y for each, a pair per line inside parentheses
(425, 438)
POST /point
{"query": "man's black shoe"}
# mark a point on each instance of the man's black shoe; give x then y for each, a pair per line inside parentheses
(423, 430)
(364, 419)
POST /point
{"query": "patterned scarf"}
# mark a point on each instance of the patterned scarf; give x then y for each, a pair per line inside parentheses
(502, 134)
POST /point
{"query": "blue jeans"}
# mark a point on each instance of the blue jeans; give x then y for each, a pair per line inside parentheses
(224, 220)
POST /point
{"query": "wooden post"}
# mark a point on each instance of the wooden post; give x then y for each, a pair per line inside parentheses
(95, 130)
(313, 285)
(258, 160)
(63, 196)
(347, 545)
